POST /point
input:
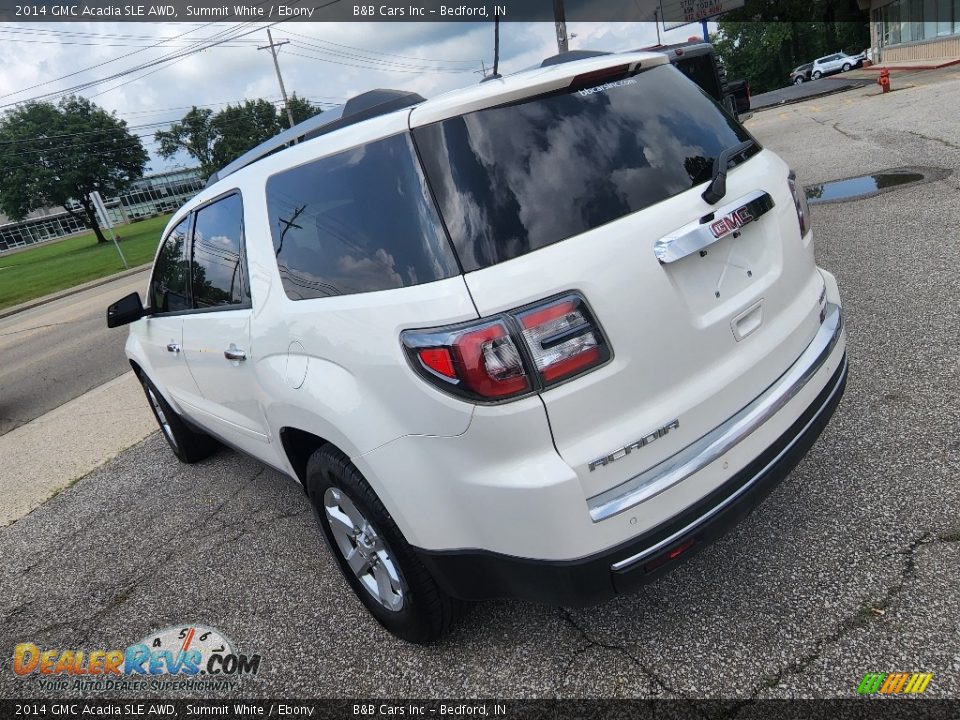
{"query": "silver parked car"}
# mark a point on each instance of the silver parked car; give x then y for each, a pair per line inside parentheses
(838, 62)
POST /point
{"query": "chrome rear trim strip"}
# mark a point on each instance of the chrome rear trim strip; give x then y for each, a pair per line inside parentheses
(666, 542)
(696, 235)
(712, 446)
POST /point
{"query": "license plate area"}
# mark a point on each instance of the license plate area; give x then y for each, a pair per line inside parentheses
(732, 266)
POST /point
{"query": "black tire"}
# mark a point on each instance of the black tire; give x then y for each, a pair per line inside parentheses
(846, 67)
(426, 612)
(817, 75)
(188, 445)
(798, 80)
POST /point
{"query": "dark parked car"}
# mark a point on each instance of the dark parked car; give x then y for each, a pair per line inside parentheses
(801, 74)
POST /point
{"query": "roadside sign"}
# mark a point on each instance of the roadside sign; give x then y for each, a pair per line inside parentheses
(104, 217)
(677, 13)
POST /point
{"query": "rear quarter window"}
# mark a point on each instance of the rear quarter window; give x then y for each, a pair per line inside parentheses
(357, 221)
(515, 178)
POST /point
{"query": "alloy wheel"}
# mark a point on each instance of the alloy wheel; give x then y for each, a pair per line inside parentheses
(161, 417)
(363, 548)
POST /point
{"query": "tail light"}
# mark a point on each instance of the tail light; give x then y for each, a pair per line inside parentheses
(800, 201)
(510, 355)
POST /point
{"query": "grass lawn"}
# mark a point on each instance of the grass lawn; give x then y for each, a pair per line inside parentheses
(63, 264)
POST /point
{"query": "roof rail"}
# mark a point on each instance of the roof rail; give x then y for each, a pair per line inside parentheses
(356, 109)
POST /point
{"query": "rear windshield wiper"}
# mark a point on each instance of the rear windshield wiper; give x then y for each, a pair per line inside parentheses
(718, 184)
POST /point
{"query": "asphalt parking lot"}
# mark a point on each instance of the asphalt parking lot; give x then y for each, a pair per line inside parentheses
(849, 567)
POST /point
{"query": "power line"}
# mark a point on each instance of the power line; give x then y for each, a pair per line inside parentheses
(93, 67)
(201, 44)
(158, 124)
(369, 67)
(376, 52)
(376, 62)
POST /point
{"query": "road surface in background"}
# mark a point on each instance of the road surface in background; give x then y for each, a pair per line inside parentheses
(55, 352)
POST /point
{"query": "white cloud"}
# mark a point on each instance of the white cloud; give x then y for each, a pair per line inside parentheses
(238, 71)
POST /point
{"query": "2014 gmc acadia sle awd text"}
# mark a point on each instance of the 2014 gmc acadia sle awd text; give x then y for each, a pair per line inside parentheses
(518, 340)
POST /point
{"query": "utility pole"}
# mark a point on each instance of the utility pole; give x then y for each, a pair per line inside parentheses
(560, 20)
(496, 46)
(276, 63)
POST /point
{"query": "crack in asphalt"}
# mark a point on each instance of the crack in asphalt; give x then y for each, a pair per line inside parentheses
(935, 139)
(245, 529)
(868, 611)
(37, 327)
(592, 642)
(836, 126)
(119, 594)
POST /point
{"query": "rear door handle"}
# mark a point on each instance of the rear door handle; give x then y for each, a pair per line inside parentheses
(234, 353)
(173, 347)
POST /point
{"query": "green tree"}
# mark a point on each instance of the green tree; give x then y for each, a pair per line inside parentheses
(53, 154)
(792, 32)
(216, 139)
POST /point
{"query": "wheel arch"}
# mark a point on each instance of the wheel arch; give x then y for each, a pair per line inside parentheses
(298, 446)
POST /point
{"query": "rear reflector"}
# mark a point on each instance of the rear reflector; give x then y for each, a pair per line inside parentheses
(438, 360)
(669, 555)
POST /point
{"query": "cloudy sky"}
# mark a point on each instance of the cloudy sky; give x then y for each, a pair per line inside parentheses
(323, 62)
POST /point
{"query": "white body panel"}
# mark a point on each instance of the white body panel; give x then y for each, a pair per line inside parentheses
(510, 478)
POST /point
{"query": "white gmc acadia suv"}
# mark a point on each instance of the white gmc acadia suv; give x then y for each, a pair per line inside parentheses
(539, 338)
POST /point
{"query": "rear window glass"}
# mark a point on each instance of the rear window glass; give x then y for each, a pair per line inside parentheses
(355, 222)
(515, 178)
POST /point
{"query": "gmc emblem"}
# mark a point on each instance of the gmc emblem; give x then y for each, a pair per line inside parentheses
(728, 223)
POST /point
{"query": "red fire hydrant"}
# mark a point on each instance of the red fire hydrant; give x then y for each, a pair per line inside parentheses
(884, 80)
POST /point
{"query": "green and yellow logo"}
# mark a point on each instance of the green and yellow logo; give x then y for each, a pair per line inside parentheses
(894, 683)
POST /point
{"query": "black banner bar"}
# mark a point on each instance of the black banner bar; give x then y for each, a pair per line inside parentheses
(273, 11)
(866, 708)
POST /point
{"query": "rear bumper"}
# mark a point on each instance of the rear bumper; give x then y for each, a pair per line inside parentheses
(478, 574)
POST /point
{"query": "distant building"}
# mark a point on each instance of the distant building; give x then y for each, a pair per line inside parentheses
(914, 29)
(151, 195)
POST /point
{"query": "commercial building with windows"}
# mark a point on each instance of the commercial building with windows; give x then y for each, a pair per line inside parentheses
(904, 30)
(151, 195)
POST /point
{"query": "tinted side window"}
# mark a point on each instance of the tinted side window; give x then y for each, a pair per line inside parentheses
(355, 222)
(168, 287)
(219, 276)
(515, 178)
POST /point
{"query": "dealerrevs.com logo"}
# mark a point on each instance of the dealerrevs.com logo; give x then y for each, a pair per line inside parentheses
(186, 657)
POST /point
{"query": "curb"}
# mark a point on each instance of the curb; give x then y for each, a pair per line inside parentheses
(794, 101)
(37, 302)
(909, 68)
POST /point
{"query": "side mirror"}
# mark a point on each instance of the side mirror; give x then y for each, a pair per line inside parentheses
(125, 310)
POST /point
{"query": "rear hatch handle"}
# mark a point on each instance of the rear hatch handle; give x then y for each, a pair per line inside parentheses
(718, 184)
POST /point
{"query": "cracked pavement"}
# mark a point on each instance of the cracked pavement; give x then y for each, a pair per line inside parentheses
(849, 567)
